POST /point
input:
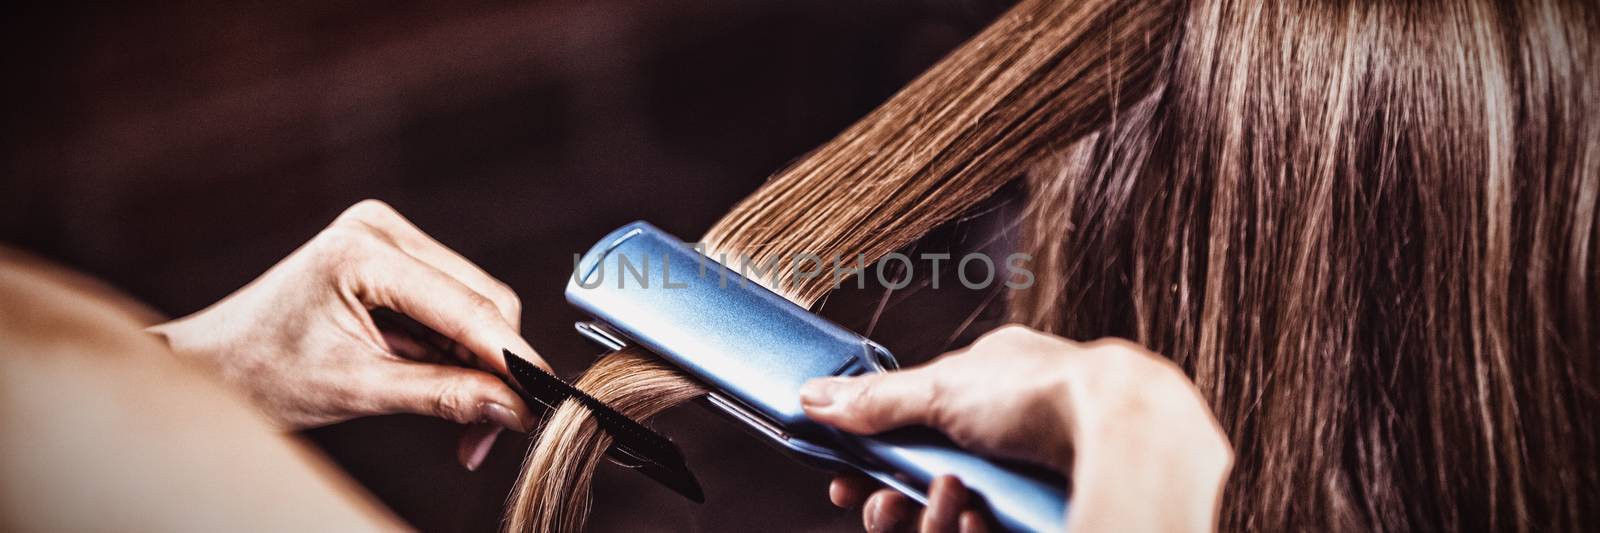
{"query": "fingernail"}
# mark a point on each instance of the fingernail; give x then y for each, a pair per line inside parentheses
(972, 522)
(886, 514)
(479, 450)
(870, 513)
(503, 416)
(821, 392)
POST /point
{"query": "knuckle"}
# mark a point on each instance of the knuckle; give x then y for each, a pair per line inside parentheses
(337, 237)
(479, 312)
(1017, 339)
(1113, 344)
(340, 244)
(370, 209)
(483, 306)
(873, 408)
(1003, 335)
(508, 298)
(1014, 327)
(351, 236)
(1013, 330)
(1016, 335)
(454, 400)
(862, 405)
(1113, 364)
(1134, 381)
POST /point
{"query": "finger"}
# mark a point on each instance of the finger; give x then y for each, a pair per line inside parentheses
(972, 522)
(475, 444)
(414, 242)
(873, 403)
(847, 491)
(460, 395)
(947, 498)
(887, 511)
(436, 300)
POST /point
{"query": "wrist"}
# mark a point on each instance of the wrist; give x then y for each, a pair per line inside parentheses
(1126, 465)
(1140, 434)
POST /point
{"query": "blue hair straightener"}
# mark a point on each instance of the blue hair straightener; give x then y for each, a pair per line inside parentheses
(753, 349)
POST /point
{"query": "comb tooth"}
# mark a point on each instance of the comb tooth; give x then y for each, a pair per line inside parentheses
(534, 382)
(675, 476)
(639, 447)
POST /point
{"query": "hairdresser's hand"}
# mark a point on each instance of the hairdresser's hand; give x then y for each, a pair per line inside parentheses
(1139, 443)
(301, 340)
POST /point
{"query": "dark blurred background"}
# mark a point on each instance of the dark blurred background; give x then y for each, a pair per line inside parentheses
(179, 150)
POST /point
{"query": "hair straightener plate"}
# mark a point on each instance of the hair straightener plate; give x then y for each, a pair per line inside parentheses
(754, 349)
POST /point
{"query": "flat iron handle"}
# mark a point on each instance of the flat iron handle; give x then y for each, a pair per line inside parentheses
(1019, 496)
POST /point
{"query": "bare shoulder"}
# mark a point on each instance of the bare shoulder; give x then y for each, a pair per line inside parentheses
(91, 404)
(49, 304)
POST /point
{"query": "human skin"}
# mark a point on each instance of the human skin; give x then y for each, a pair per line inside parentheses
(1123, 423)
(102, 429)
(302, 342)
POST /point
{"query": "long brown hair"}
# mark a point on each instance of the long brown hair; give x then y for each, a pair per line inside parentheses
(1368, 231)
(1044, 72)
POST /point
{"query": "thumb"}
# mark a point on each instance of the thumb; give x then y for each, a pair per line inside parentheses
(461, 395)
(872, 403)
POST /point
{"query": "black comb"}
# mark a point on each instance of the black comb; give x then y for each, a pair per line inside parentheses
(632, 444)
